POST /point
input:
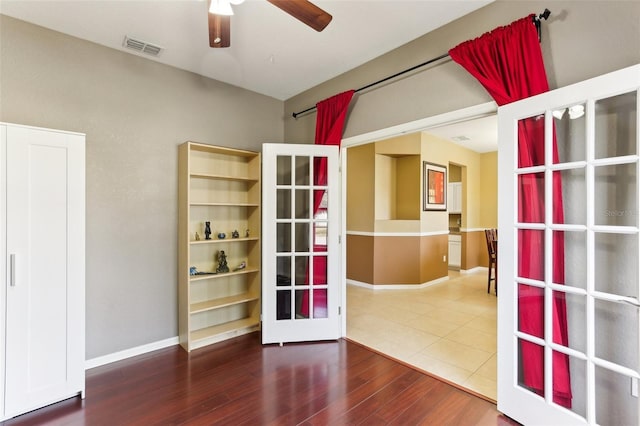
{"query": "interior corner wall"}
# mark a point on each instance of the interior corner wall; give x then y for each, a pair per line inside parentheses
(574, 28)
(135, 112)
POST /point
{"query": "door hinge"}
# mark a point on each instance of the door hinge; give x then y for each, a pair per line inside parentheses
(339, 310)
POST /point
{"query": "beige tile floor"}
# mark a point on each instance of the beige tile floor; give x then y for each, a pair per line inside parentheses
(447, 329)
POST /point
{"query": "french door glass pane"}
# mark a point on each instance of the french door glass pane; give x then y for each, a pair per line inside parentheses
(531, 310)
(302, 170)
(578, 373)
(531, 147)
(283, 204)
(576, 318)
(531, 254)
(319, 270)
(614, 342)
(302, 304)
(575, 258)
(302, 270)
(283, 304)
(574, 196)
(320, 303)
(570, 133)
(283, 170)
(616, 269)
(283, 237)
(283, 271)
(614, 403)
(302, 237)
(303, 211)
(531, 363)
(615, 126)
(615, 195)
(531, 198)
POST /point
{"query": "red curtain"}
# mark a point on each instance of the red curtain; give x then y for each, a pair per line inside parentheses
(331, 114)
(508, 63)
(329, 127)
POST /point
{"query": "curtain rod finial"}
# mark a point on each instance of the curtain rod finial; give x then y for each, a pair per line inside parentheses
(545, 15)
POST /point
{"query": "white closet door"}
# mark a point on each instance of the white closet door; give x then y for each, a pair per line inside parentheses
(45, 260)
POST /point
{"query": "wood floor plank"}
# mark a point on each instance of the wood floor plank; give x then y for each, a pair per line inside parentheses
(241, 382)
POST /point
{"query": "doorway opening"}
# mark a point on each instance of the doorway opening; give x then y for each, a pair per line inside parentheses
(417, 308)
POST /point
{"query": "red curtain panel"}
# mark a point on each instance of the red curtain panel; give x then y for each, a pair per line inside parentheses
(508, 63)
(331, 115)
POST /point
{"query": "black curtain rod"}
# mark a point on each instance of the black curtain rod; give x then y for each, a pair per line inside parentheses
(536, 20)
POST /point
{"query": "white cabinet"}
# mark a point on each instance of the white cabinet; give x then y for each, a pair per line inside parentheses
(42, 217)
(454, 197)
(455, 251)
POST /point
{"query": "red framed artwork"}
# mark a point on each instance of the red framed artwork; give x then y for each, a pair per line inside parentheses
(435, 186)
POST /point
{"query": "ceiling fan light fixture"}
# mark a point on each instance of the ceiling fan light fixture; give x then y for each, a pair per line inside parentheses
(221, 7)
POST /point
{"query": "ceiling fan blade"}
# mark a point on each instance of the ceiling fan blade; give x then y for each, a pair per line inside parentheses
(304, 11)
(219, 30)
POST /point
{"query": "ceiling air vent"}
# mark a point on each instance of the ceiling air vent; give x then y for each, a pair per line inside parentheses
(141, 46)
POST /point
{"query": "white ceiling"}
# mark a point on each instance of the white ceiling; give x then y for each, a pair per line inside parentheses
(482, 133)
(271, 52)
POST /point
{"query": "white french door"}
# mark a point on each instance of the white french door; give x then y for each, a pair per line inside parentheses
(596, 125)
(301, 258)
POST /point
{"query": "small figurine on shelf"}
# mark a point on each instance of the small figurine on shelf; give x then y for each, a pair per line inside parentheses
(222, 235)
(197, 236)
(222, 262)
(241, 266)
(207, 230)
(246, 234)
(194, 271)
(235, 234)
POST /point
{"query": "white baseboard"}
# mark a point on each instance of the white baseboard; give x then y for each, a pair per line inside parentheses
(474, 270)
(396, 286)
(128, 353)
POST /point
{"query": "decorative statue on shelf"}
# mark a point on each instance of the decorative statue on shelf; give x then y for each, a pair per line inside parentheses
(222, 235)
(235, 234)
(246, 234)
(241, 266)
(207, 230)
(197, 236)
(222, 262)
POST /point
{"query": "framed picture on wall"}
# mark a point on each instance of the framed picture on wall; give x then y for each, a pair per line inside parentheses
(435, 186)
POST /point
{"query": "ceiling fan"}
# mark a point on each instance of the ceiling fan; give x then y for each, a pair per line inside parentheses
(220, 17)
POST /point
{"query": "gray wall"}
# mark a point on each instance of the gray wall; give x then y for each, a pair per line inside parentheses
(582, 39)
(135, 113)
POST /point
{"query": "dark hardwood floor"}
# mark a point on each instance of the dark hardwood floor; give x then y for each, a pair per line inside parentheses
(241, 382)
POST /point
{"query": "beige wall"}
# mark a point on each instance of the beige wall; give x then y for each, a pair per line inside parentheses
(135, 112)
(574, 28)
(489, 190)
(360, 201)
(441, 151)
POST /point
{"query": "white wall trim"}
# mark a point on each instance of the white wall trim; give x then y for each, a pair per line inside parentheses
(128, 353)
(476, 111)
(397, 234)
(376, 287)
(472, 229)
(474, 270)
